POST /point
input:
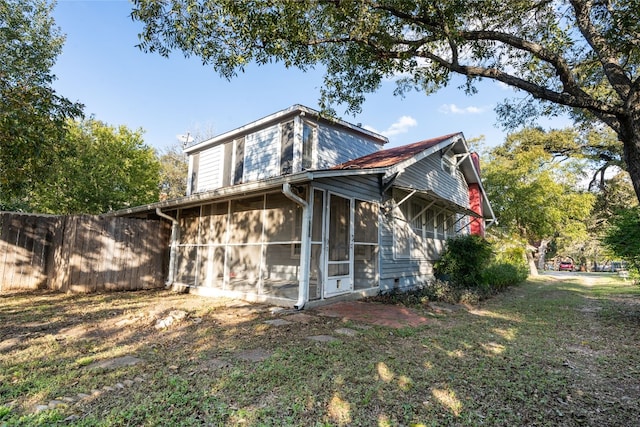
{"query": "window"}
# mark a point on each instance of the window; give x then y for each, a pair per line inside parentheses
(286, 148)
(417, 224)
(238, 167)
(308, 143)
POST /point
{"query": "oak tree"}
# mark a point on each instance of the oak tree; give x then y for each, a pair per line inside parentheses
(579, 57)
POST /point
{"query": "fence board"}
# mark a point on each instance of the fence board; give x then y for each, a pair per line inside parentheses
(81, 253)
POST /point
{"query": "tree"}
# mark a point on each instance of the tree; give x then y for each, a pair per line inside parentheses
(33, 116)
(106, 168)
(623, 236)
(576, 56)
(173, 173)
(534, 196)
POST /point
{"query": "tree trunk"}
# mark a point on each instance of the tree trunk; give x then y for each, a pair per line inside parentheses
(629, 134)
(542, 254)
(533, 270)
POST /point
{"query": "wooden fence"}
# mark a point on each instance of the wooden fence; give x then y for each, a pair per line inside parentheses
(80, 253)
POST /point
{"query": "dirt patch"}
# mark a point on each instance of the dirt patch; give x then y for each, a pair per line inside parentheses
(394, 316)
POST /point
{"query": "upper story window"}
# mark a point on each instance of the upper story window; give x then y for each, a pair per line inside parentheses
(309, 138)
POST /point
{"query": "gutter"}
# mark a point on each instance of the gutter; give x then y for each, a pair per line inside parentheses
(305, 250)
(175, 232)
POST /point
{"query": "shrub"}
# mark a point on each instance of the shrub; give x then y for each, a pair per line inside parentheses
(463, 260)
(501, 275)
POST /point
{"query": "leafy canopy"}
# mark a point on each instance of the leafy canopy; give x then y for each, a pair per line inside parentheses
(532, 195)
(107, 168)
(576, 56)
(33, 116)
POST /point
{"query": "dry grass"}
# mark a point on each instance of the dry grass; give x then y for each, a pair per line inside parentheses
(554, 351)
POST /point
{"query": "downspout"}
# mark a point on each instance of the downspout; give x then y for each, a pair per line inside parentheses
(175, 231)
(305, 250)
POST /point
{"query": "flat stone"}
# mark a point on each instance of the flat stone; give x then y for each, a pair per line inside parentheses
(118, 362)
(40, 408)
(139, 379)
(96, 392)
(83, 395)
(323, 338)
(128, 383)
(256, 355)
(68, 399)
(119, 385)
(301, 318)
(54, 403)
(346, 331)
(71, 418)
(108, 388)
(216, 363)
(277, 322)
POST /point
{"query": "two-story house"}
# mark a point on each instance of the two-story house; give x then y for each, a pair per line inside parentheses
(298, 209)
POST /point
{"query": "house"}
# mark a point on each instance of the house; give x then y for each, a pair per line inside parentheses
(299, 209)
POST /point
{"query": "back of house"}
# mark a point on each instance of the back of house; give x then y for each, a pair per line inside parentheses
(299, 209)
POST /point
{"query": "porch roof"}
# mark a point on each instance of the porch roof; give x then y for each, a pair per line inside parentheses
(440, 201)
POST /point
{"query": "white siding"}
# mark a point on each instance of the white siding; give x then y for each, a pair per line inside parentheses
(210, 168)
(262, 154)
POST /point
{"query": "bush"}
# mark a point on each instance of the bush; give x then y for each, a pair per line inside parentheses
(463, 260)
(499, 276)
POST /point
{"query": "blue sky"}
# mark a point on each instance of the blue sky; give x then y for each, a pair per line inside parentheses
(119, 84)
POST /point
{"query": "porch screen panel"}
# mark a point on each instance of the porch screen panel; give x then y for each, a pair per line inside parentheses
(316, 222)
(186, 268)
(365, 263)
(366, 222)
(189, 225)
(246, 220)
(213, 224)
(338, 229)
(315, 272)
(244, 267)
(365, 266)
(283, 219)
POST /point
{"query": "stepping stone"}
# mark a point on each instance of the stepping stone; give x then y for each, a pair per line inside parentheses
(323, 338)
(346, 331)
(256, 355)
(301, 318)
(277, 322)
(118, 362)
(83, 395)
(54, 403)
(40, 408)
(215, 364)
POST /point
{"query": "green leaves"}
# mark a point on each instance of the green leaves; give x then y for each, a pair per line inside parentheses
(532, 195)
(106, 168)
(32, 115)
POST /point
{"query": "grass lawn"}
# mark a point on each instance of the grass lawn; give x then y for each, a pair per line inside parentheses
(557, 350)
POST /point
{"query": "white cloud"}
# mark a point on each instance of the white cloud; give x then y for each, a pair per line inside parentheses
(454, 109)
(401, 125)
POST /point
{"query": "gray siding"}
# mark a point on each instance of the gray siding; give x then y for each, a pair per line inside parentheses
(262, 154)
(399, 273)
(363, 187)
(336, 146)
(427, 174)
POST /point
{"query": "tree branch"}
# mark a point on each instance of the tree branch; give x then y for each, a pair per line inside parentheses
(615, 74)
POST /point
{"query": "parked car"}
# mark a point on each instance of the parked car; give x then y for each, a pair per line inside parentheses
(565, 266)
